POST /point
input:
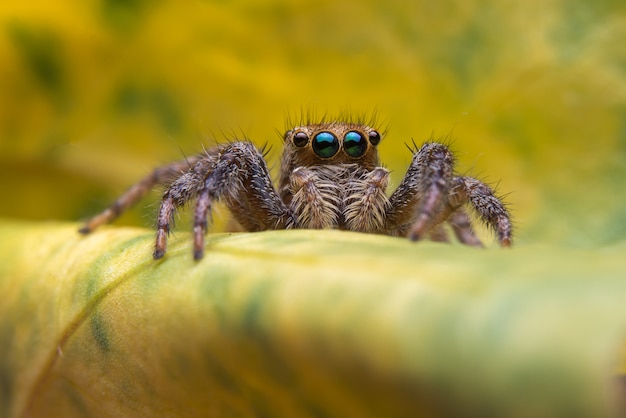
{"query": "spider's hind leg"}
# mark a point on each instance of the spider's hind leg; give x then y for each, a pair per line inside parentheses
(138, 191)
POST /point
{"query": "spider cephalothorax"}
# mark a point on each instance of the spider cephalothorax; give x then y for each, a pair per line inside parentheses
(330, 178)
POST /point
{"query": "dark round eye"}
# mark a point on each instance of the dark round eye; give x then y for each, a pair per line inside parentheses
(355, 144)
(300, 139)
(374, 137)
(325, 144)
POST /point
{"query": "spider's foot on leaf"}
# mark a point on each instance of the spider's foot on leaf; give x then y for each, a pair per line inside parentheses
(198, 254)
(415, 235)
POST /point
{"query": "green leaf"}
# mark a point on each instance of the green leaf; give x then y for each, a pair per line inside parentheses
(305, 324)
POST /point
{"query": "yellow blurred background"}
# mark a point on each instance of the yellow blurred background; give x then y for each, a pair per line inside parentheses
(95, 93)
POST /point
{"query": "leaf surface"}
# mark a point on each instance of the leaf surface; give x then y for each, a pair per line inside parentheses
(304, 324)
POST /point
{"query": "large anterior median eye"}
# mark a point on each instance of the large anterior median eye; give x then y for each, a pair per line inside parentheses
(325, 144)
(355, 144)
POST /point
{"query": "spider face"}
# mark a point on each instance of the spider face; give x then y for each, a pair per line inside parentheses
(331, 143)
(330, 177)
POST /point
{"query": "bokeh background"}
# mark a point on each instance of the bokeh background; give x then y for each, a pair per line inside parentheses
(94, 93)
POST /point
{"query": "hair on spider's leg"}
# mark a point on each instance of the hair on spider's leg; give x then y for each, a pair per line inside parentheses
(266, 149)
(438, 234)
(314, 200)
(135, 193)
(427, 213)
(435, 164)
(489, 208)
(200, 225)
(166, 212)
(418, 198)
(239, 175)
(462, 227)
(181, 191)
(367, 204)
(138, 191)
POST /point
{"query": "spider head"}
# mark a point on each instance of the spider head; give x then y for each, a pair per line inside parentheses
(331, 143)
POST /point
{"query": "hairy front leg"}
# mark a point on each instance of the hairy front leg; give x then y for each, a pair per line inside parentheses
(237, 174)
(417, 205)
(182, 190)
(138, 191)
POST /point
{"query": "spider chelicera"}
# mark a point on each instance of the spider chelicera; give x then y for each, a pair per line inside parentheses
(330, 177)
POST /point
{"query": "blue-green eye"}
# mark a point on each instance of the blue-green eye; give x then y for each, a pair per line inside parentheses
(355, 144)
(325, 144)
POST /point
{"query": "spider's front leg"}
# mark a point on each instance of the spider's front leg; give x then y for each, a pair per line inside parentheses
(237, 174)
(430, 194)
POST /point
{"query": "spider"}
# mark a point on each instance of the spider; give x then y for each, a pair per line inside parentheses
(330, 177)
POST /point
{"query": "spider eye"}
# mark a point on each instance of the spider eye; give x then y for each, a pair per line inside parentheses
(325, 144)
(355, 144)
(374, 137)
(300, 139)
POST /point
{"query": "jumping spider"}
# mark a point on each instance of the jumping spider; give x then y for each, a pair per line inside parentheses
(330, 178)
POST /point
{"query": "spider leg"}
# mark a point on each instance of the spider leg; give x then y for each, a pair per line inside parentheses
(489, 208)
(183, 189)
(200, 224)
(438, 234)
(236, 173)
(429, 194)
(417, 205)
(462, 227)
(137, 192)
